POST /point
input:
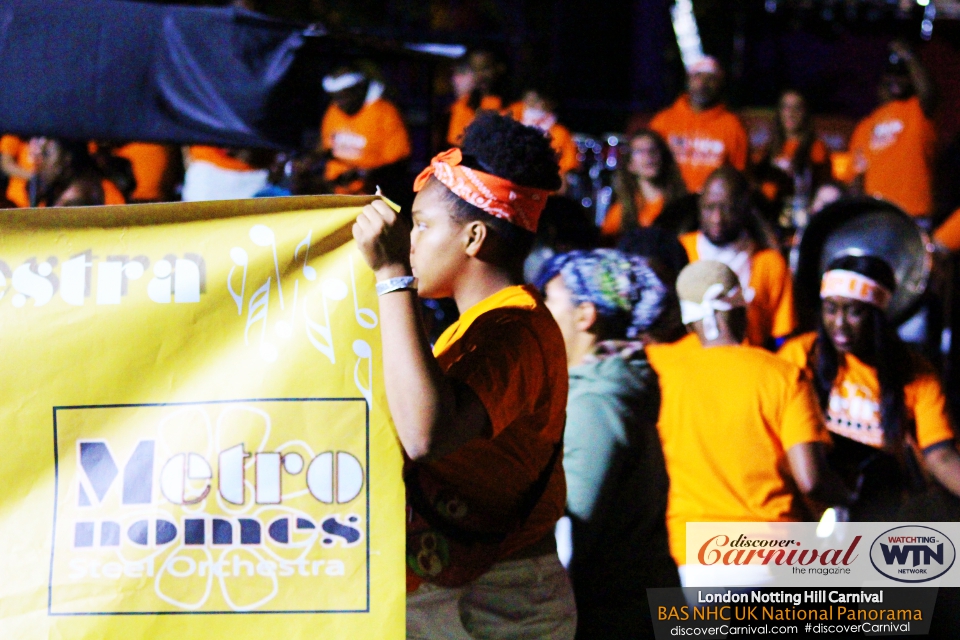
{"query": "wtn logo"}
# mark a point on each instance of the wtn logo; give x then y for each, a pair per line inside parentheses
(900, 553)
(912, 554)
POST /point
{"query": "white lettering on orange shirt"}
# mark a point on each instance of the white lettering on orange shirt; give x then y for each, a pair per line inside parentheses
(885, 134)
(853, 412)
(347, 145)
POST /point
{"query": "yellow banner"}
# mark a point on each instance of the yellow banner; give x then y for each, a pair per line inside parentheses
(194, 431)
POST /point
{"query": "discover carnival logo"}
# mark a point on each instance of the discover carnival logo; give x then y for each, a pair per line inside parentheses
(912, 553)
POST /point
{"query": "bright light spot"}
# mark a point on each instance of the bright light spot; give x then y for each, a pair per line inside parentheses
(828, 522)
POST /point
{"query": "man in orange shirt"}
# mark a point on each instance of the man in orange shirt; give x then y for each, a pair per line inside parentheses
(741, 429)
(483, 413)
(701, 132)
(537, 109)
(486, 71)
(893, 147)
(724, 236)
(17, 163)
(362, 133)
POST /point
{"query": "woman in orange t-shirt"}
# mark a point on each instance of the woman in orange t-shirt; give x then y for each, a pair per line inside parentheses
(795, 162)
(884, 404)
(651, 181)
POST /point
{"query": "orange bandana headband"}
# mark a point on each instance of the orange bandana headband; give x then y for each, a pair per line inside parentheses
(852, 285)
(500, 198)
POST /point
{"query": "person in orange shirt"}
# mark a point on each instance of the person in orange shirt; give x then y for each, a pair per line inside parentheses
(893, 147)
(362, 133)
(701, 132)
(727, 236)
(483, 413)
(479, 94)
(16, 160)
(741, 430)
(795, 162)
(651, 181)
(152, 169)
(884, 403)
(537, 109)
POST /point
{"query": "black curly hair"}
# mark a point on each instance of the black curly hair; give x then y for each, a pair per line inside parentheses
(501, 146)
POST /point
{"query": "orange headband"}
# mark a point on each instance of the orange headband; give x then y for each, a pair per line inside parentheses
(500, 198)
(855, 286)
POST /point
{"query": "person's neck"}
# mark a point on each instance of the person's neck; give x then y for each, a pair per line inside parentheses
(583, 345)
(740, 238)
(648, 189)
(479, 282)
(723, 340)
(700, 108)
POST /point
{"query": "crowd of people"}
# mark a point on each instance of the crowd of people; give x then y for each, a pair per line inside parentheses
(634, 373)
(690, 392)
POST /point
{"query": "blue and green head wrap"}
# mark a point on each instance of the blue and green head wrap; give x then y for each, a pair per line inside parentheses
(623, 288)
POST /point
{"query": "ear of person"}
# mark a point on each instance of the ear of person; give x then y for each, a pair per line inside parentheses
(586, 316)
(476, 235)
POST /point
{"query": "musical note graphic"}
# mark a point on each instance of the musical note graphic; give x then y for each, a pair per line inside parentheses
(308, 272)
(263, 236)
(362, 350)
(284, 328)
(239, 257)
(331, 289)
(366, 318)
(256, 312)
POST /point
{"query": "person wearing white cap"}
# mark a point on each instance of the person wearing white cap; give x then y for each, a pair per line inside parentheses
(741, 432)
(362, 133)
(701, 132)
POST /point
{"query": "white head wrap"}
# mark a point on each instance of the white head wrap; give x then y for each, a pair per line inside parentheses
(334, 84)
(714, 300)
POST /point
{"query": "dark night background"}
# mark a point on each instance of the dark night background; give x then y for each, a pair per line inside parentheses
(613, 63)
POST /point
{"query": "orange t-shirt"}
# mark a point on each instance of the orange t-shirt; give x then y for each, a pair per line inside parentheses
(818, 153)
(149, 163)
(853, 410)
(702, 142)
(647, 213)
(893, 148)
(461, 115)
(373, 137)
(948, 233)
(219, 157)
(111, 194)
(770, 313)
(20, 151)
(560, 139)
(508, 349)
(728, 415)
